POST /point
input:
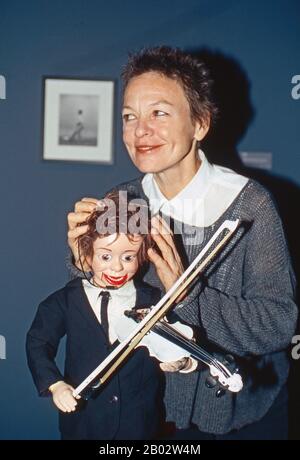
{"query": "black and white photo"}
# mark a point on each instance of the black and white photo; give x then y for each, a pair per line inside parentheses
(78, 120)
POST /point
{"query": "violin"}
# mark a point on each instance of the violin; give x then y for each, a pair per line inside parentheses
(117, 357)
(171, 342)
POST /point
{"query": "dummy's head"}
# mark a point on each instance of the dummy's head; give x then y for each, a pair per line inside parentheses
(116, 242)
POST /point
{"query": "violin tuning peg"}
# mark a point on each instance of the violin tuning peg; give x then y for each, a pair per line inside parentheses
(220, 392)
(210, 382)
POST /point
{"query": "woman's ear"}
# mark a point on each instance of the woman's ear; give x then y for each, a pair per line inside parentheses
(201, 129)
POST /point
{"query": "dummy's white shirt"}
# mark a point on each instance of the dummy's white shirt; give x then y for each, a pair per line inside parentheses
(123, 298)
(203, 200)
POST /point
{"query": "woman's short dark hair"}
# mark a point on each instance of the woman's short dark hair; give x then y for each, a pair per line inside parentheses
(190, 73)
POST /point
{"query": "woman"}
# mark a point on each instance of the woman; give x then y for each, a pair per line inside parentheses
(245, 303)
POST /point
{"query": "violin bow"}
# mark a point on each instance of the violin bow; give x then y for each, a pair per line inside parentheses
(111, 363)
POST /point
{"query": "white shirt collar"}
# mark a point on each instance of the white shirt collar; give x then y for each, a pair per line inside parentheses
(127, 290)
(121, 299)
(203, 200)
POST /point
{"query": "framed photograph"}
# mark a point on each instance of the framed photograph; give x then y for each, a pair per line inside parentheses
(78, 119)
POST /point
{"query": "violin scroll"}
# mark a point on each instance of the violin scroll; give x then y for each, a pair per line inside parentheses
(226, 375)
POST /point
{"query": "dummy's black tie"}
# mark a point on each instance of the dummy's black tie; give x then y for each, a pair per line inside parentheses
(103, 311)
(105, 296)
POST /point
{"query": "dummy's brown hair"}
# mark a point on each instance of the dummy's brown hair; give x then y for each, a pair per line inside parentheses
(128, 206)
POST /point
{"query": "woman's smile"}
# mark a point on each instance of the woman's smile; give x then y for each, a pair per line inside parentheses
(142, 149)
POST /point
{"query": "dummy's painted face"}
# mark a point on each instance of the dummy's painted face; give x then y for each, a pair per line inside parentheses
(115, 259)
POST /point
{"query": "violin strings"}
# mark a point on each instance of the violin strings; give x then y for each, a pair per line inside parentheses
(194, 347)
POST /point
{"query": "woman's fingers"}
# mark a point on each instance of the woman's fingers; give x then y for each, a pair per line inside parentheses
(87, 207)
(77, 231)
(174, 366)
(82, 211)
(169, 236)
(169, 260)
(73, 236)
(168, 265)
(165, 249)
(159, 226)
(75, 218)
(92, 200)
(168, 276)
(166, 228)
(156, 259)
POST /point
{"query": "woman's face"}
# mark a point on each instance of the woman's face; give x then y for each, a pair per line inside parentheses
(115, 259)
(157, 127)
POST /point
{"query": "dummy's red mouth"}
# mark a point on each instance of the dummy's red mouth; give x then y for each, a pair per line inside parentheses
(115, 280)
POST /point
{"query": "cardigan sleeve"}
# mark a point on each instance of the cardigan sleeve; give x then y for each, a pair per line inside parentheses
(262, 318)
(42, 342)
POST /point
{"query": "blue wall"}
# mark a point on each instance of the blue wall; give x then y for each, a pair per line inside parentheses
(91, 39)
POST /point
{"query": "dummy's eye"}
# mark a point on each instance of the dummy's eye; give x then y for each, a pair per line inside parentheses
(105, 257)
(129, 258)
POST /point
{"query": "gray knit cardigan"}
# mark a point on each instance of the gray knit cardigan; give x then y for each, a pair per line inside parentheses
(244, 305)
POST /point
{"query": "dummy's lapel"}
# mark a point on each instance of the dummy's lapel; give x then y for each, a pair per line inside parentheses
(146, 296)
(78, 299)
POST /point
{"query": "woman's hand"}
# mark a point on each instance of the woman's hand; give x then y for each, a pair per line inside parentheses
(63, 398)
(168, 265)
(81, 212)
(185, 365)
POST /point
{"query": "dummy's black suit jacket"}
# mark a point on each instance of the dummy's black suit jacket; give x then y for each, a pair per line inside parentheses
(130, 404)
